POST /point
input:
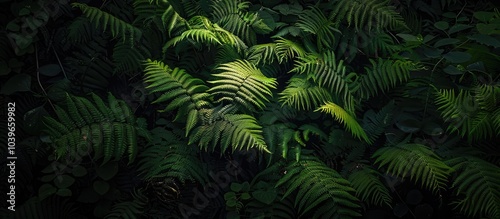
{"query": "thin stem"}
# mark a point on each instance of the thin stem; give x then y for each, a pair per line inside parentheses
(59, 61)
(38, 78)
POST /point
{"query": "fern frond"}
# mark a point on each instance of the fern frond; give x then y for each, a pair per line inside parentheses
(170, 157)
(346, 119)
(368, 14)
(83, 124)
(375, 123)
(416, 161)
(479, 183)
(321, 188)
(301, 94)
(237, 131)
(329, 74)
(383, 75)
(129, 209)
(128, 56)
(107, 21)
(369, 188)
(287, 49)
(180, 89)
(243, 84)
(313, 21)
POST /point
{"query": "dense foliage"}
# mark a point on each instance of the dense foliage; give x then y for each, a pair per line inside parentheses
(252, 109)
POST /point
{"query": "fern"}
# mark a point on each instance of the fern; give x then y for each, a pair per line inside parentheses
(107, 21)
(313, 21)
(301, 94)
(89, 67)
(375, 123)
(180, 89)
(321, 188)
(232, 16)
(368, 14)
(110, 130)
(416, 161)
(237, 131)
(384, 75)
(128, 57)
(471, 113)
(167, 156)
(369, 187)
(287, 49)
(479, 183)
(345, 118)
(129, 209)
(241, 83)
(202, 30)
(329, 74)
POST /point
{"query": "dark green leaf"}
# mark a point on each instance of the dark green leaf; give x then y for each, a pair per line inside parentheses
(446, 41)
(486, 40)
(442, 25)
(101, 187)
(484, 16)
(64, 181)
(79, 171)
(17, 83)
(50, 70)
(452, 70)
(457, 57)
(46, 190)
(107, 171)
(458, 27)
(266, 197)
(64, 192)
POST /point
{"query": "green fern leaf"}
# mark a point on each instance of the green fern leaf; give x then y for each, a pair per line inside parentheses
(416, 161)
(345, 118)
(479, 182)
(107, 21)
(319, 186)
(241, 83)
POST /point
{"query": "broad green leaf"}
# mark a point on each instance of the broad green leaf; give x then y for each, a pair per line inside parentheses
(408, 37)
(442, 25)
(486, 40)
(46, 190)
(101, 187)
(64, 192)
(266, 197)
(64, 181)
(79, 171)
(108, 170)
(446, 41)
(17, 83)
(484, 16)
(50, 70)
(457, 57)
(452, 70)
(458, 27)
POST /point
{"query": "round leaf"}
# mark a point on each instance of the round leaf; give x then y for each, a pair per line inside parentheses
(46, 190)
(442, 25)
(64, 181)
(48, 178)
(108, 170)
(50, 70)
(101, 187)
(17, 83)
(236, 187)
(245, 196)
(446, 41)
(64, 192)
(79, 171)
